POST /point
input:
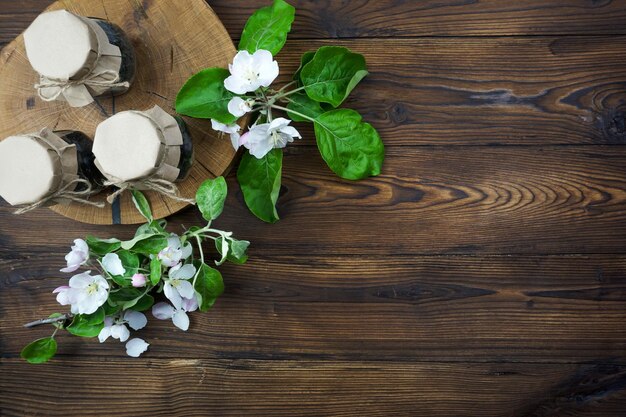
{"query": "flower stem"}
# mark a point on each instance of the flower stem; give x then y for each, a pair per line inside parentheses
(304, 116)
(49, 320)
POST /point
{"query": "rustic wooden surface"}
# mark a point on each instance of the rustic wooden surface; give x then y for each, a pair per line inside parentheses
(167, 54)
(482, 274)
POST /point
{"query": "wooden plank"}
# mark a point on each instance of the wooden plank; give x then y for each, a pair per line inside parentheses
(530, 91)
(74, 387)
(429, 200)
(396, 18)
(556, 309)
(337, 19)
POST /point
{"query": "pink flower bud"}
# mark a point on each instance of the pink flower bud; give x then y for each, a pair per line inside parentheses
(139, 280)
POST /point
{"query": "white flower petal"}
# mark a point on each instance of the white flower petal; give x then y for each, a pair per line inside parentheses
(184, 272)
(185, 289)
(173, 241)
(260, 149)
(235, 140)
(190, 304)
(290, 131)
(186, 250)
(172, 294)
(81, 280)
(135, 319)
(63, 295)
(243, 59)
(104, 334)
(238, 106)
(162, 311)
(113, 264)
(181, 320)
(81, 245)
(120, 331)
(278, 123)
(135, 347)
(237, 85)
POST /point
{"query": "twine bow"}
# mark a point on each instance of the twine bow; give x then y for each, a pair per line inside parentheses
(161, 186)
(89, 81)
(65, 192)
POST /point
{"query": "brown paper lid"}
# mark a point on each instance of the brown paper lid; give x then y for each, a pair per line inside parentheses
(135, 145)
(35, 165)
(73, 56)
(59, 45)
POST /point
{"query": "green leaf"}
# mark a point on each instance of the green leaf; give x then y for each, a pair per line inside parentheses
(332, 74)
(109, 309)
(305, 59)
(267, 28)
(204, 96)
(87, 325)
(350, 147)
(151, 245)
(237, 250)
(129, 244)
(301, 103)
(210, 198)
(142, 204)
(209, 285)
(141, 303)
(102, 246)
(260, 183)
(40, 350)
(124, 295)
(155, 271)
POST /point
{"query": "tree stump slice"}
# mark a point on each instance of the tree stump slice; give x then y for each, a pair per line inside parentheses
(172, 40)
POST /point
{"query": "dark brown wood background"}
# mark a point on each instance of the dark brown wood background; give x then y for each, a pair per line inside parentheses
(482, 274)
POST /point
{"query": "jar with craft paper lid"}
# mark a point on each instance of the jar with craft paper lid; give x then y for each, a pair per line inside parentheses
(78, 58)
(144, 150)
(46, 168)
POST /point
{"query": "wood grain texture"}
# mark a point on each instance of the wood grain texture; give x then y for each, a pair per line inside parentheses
(439, 91)
(428, 200)
(167, 54)
(311, 388)
(483, 274)
(557, 309)
(397, 18)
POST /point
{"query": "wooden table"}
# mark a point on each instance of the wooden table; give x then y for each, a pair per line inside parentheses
(483, 273)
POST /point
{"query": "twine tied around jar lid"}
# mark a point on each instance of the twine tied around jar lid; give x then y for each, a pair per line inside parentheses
(156, 172)
(95, 69)
(67, 179)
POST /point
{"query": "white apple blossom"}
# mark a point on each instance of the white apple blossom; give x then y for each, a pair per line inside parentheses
(77, 257)
(85, 293)
(113, 264)
(176, 286)
(135, 347)
(238, 106)
(250, 72)
(173, 253)
(264, 137)
(232, 130)
(178, 314)
(117, 328)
